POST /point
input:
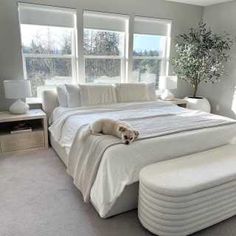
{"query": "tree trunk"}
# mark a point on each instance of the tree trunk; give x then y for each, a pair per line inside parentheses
(195, 87)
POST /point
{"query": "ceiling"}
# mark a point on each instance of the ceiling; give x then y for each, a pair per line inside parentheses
(201, 2)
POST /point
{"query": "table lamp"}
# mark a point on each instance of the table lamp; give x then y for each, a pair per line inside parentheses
(167, 83)
(17, 89)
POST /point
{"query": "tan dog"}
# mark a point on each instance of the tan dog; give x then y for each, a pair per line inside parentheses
(116, 128)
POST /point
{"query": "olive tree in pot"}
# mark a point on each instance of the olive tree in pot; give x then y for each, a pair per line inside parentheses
(200, 57)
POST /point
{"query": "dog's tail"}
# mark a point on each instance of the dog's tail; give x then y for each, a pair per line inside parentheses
(85, 133)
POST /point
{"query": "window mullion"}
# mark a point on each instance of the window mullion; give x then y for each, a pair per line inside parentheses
(74, 53)
(24, 67)
(102, 57)
(148, 57)
(35, 55)
(129, 52)
(80, 37)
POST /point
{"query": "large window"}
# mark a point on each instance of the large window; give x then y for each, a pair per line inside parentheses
(104, 53)
(48, 46)
(150, 49)
(104, 47)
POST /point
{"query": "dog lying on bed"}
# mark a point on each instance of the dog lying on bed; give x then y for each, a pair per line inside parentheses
(116, 128)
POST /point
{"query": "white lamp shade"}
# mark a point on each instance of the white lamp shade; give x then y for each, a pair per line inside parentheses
(168, 82)
(15, 89)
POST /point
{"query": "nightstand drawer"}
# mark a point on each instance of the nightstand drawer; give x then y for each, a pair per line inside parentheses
(22, 141)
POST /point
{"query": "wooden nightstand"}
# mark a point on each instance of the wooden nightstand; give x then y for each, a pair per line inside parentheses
(179, 102)
(35, 139)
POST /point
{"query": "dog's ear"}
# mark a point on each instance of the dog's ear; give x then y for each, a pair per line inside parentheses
(136, 133)
(122, 128)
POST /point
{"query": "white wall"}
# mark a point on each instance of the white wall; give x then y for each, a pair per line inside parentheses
(222, 96)
(183, 16)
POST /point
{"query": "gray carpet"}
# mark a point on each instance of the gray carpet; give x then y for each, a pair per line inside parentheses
(38, 198)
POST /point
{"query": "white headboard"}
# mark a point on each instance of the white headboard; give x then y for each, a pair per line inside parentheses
(50, 101)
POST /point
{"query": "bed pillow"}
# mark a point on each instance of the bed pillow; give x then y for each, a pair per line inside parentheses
(97, 94)
(62, 95)
(132, 92)
(73, 95)
(151, 91)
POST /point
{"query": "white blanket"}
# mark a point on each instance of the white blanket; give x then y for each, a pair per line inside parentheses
(112, 179)
(83, 115)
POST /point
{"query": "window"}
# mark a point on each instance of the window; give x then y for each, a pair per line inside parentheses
(50, 53)
(48, 46)
(150, 49)
(104, 47)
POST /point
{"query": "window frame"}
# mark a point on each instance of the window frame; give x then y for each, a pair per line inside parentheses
(166, 54)
(74, 42)
(123, 58)
(78, 56)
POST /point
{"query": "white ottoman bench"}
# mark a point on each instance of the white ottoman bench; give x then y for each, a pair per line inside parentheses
(187, 194)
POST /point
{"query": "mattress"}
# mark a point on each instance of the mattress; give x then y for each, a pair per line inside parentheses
(127, 161)
(182, 196)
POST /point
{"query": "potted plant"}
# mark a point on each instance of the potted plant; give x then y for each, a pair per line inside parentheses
(200, 57)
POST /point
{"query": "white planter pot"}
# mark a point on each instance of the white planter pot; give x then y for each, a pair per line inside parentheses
(199, 103)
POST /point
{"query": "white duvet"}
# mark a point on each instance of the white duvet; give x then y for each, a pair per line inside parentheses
(120, 164)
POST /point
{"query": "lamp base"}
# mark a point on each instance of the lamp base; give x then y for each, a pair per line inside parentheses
(19, 107)
(167, 95)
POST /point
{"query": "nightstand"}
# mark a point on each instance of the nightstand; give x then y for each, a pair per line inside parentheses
(34, 138)
(178, 101)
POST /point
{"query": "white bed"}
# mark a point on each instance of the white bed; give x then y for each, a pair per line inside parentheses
(121, 164)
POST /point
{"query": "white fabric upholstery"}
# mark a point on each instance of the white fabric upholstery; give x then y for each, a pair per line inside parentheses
(185, 195)
(97, 94)
(132, 92)
(73, 95)
(62, 96)
(50, 102)
(152, 91)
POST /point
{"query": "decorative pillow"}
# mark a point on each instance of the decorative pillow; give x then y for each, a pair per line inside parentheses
(97, 94)
(151, 91)
(132, 92)
(73, 95)
(62, 95)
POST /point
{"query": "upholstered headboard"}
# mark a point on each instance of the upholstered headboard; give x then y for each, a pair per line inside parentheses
(50, 101)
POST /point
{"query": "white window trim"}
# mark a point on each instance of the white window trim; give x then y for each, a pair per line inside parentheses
(78, 57)
(41, 55)
(102, 57)
(149, 57)
(164, 59)
(123, 58)
(74, 43)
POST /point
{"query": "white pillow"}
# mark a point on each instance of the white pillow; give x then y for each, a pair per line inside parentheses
(151, 91)
(62, 95)
(97, 94)
(132, 92)
(73, 95)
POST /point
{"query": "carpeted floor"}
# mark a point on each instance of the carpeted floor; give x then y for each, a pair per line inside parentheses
(37, 198)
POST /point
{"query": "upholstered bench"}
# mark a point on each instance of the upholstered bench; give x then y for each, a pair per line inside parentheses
(187, 194)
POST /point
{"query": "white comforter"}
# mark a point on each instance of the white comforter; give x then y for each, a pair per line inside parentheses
(121, 164)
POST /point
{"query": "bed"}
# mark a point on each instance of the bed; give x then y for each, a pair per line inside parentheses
(114, 188)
